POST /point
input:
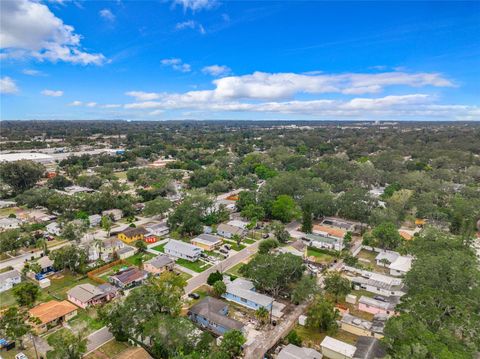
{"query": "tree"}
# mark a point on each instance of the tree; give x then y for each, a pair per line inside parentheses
(387, 236)
(141, 246)
(189, 216)
(237, 239)
(59, 182)
(26, 293)
(66, 345)
(284, 208)
(307, 223)
(158, 206)
(280, 233)
(219, 288)
(106, 224)
(267, 244)
(355, 204)
(253, 212)
(14, 325)
(322, 316)
(304, 289)
(70, 257)
(232, 343)
(262, 314)
(73, 231)
(347, 239)
(336, 285)
(294, 338)
(274, 273)
(214, 277)
(21, 175)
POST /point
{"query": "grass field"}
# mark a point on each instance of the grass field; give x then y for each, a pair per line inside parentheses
(135, 259)
(109, 350)
(61, 283)
(121, 175)
(87, 320)
(235, 246)
(320, 256)
(197, 266)
(234, 270)
(160, 248)
(7, 299)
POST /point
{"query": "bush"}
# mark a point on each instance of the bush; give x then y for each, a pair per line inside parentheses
(214, 277)
(294, 338)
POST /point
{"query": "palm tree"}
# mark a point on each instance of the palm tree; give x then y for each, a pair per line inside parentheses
(237, 239)
(262, 314)
(98, 243)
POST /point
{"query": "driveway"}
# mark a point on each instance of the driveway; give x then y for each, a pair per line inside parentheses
(199, 280)
(97, 339)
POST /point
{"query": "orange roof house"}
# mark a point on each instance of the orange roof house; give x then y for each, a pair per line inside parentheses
(331, 231)
(405, 235)
(52, 313)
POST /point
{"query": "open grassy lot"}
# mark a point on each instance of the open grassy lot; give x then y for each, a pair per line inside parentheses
(109, 350)
(139, 258)
(320, 256)
(86, 320)
(197, 266)
(121, 175)
(7, 299)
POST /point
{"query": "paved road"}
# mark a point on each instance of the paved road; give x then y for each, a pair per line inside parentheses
(98, 338)
(199, 280)
(269, 338)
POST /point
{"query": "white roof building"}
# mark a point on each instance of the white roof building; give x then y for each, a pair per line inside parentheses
(334, 348)
(30, 156)
(294, 352)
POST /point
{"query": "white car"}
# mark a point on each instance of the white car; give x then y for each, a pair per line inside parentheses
(21, 356)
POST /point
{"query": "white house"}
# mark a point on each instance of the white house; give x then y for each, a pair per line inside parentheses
(9, 279)
(115, 214)
(399, 265)
(324, 241)
(294, 352)
(94, 220)
(228, 231)
(336, 349)
(53, 229)
(158, 229)
(9, 223)
(378, 284)
(179, 249)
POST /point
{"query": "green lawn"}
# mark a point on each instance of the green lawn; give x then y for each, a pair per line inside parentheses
(197, 266)
(135, 259)
(320, 256)
(248, 241)
(235, 270)
(235, 246)
(160, 248)
(312, 338)
(7, 299)
(109, 350)
(121, 175)
(86, 319)
(61, 283)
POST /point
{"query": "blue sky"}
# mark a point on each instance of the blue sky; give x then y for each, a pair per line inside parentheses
(206, 59)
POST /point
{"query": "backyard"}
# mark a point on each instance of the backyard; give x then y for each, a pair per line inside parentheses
(312, 338)
(367, 260)
(86, 321)
(160, 248)
(320, 256)
(109, 350)
(139, 258)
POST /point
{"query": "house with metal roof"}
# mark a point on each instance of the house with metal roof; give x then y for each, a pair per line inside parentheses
(374, 306)
(294, 352)
(209, 242)
(159, 264)
(211, 314)
(376, 283)
(242, 291)
(324, 241)
(179, 249)
(9, 279)
(128, 278)
(359, 326)
(336, 349)
(228, 231)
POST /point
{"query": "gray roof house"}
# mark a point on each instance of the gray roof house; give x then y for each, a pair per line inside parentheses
(159, 264)
(211, 314)
(228, 231)
(9, 279)
(242, 291)
(293, 352)
(179, 249)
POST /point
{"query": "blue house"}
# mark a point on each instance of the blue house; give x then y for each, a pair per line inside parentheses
(46, 268)
(243, 292)
(211, 314)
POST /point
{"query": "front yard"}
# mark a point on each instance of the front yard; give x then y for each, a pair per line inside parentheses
(197, 266)
(86, 321)
(160, 248)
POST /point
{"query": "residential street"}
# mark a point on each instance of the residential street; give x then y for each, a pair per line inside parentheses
(199, 280)
(98, 338)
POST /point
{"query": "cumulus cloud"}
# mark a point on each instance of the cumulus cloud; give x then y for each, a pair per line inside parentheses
(8, 85)
(216, 70)
(29, 29)
(76, 103)
(143, 96)
(190, 24)
(195, 5)
(31, 72)
(176, 64)
(91, 104)
(107, 15)
(52, 93)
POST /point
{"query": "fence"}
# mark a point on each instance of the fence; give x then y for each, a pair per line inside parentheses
(93, 274)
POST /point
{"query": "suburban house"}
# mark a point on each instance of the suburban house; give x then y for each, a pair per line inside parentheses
(115, 214)
(376, 283)
(125, 252)
(179, 249)
(128, 278)
(86, 295)
(323, 241)
(292, 351)
(131, 235)
(94, 220)
(51, 314)
(347, 226)
(46, 267)
(374, 306)
(369, 348)
(9, 223)
(399, 265)
(53, 229)
(242, 291)
(336, 349)
(9, 279)
(111, 246)
(362, 327)
(228, 231)
(238, 223)
(209, 242)
(159, 264)
(159, 229)
(211, 314)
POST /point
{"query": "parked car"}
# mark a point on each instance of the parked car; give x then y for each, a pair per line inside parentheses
(21, 356)
(227, 247)
(223, 250)
(312, 268)
(194, 295)
(380, 298)
(266, 235)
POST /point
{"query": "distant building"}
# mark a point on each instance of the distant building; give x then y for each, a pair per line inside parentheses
(399, 265)
(159, 264)
(53, 229)
(94, 220)
(9, 223)
(336, 349)
(359, 326)
(9, 279)
(114, 214)
(243, 292)
(324, 242)
(208, 242)
(294, 352)
(51, 314)
(377, 283)
(29, 156)
(71, 190)
(130, 235)
(159, 229)
(211, 314)
(179, 249)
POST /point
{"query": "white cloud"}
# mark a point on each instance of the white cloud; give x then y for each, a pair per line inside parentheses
(195, 5)
(216, 70)
(29, 29)
(91, 104)
(52, 93)
(176, 64)
(31, 72)
(190, 24)
(75, 103)
(112, 105)
(143, 96)
(8, 85)
(107, 15)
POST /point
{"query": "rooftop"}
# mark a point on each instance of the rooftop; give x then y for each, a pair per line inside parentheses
(130, 275)
(293, 352)
(160, 261)
(9, 275)
(210, 309)
(183, 247)
(50, 311)
(85, 292)
(369, 348)
(338, 346)
(131, 232)
(244, 289)
(207, 238)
